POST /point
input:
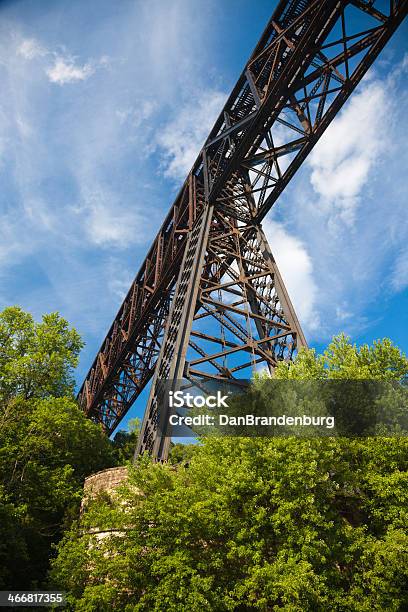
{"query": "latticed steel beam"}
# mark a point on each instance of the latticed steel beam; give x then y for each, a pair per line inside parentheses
(309, 59)
(228, 281)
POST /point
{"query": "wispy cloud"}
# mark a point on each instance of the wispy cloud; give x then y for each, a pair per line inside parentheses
(399, 278)
(82, 188)
(120, 278)
(296, 268)
(97, 127)
(348, 206)
(346, 154)
(133, 116)
(31, 48)
(107, 223)
(65, 70)
(183, 136)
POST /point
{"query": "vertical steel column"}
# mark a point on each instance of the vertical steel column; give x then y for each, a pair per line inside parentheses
(170, 365)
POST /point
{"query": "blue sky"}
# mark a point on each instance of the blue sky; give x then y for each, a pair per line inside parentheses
(104, 106)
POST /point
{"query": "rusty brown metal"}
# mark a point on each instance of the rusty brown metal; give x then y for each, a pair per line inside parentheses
(210, 260)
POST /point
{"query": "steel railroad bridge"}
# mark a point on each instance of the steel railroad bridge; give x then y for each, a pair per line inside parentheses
(208, 302)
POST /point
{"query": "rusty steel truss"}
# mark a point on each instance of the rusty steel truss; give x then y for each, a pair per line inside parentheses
(209, 301)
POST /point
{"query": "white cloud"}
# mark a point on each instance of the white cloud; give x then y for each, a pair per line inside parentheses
(399, 279)
(183, 136)
(65, 70)
(106, 222)
(30, 48)
(80, 160)
(24, 128)
(120, 278)
(9, 240)
(348, 206)
(342, 312)
(346, 154)
(93, 157)
(134, 116)
(39, 215)
(296, 268)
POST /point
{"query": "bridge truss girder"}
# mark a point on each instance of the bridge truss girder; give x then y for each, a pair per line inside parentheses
(310, 58)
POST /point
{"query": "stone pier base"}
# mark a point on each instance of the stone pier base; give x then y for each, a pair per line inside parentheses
(105, 480)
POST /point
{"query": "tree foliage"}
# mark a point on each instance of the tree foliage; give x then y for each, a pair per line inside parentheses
(256, 524)
(344, 360)
(36, 359)
(47, 445)
(125, 442)
(181, 454)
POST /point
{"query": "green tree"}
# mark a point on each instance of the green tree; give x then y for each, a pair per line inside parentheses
(125, 442)
(344, 360)
(256, 524)
(181, 453)
(47, 445)
(36, 359)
